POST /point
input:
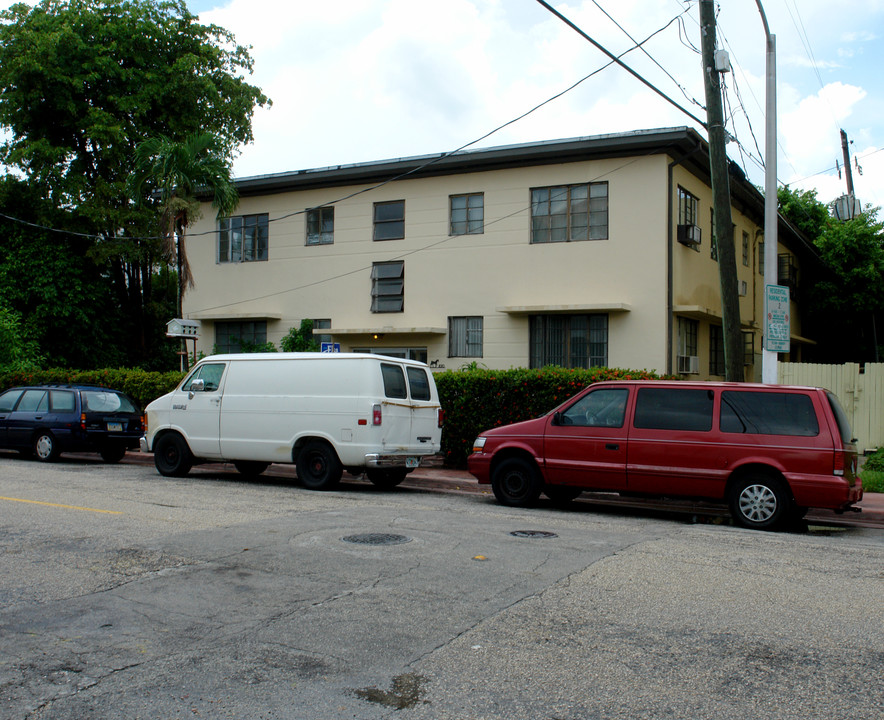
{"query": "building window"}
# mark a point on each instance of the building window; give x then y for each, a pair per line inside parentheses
(572, 341)
(389, 220)
(761, 258)
(321, 226)
(388, 287)
(465, 336)
(687, 208)
(234, 337)
(321, 324)
(406, 353)
(243, 238)
(467, 214)
(688, 334)
(745, 249)
(748, 348)
(569, 212)
(716, 350)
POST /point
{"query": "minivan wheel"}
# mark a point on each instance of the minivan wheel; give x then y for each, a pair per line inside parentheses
(250, 468)
(759, 502)
(386, 478)
(562, 494)
(45, 447)
(318, 466)
(172, 456)
(516, 483)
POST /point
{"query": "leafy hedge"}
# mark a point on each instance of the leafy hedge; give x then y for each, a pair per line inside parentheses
(473, 400)
(477, 399)
(141, 386)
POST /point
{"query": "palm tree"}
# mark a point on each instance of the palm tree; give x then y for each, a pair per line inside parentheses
(177, 173)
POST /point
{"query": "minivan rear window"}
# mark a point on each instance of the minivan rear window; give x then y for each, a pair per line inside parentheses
(841, 419)
(674, 409)
(768, 413)
(419, 383)
(394, 381)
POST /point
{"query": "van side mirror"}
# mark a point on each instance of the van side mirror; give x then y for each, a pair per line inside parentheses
(196, 386)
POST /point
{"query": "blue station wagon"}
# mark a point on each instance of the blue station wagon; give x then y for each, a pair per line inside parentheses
(46, 420)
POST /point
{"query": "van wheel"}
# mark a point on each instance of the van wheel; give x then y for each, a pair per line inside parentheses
(250, 468)
(562, 494)
(759, 502)
(45, 447)
(318, 466)
(172, 456)
(386, 479)
(516, 483)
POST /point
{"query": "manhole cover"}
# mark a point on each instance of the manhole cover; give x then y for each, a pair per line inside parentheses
(534, 534)
(377, 539)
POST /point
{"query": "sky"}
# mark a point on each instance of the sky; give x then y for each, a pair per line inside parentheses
(361, 80)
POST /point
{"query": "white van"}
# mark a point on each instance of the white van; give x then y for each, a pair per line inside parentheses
(323, 412)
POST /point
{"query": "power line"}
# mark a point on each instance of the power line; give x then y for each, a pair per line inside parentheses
(616, 59)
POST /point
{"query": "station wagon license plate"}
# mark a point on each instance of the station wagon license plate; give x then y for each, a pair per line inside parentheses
(115, 427)
(412, 462)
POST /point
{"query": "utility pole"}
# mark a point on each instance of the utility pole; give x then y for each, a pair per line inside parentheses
(721, 199)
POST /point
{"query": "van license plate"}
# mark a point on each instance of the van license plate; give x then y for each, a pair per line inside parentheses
(412, 462)
(114, 427)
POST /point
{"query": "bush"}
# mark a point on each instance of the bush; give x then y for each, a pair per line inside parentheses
(476, 399)
(142, 386)
(875, 461)
(873, 481)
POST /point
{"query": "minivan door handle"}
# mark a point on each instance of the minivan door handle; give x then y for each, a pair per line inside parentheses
(612, 446)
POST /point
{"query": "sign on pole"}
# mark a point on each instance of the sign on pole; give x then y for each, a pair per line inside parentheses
(776, 312)
(328, 347)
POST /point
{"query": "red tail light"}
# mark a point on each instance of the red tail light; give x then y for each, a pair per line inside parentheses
(440, 416)
(839, 463)
(83, 422)
(376, 415)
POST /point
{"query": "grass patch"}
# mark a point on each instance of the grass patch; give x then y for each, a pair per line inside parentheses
(873, 480)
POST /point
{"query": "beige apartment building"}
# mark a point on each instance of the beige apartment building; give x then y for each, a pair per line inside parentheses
(594, 251)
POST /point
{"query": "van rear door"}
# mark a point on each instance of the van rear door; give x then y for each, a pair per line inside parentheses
(410, 422)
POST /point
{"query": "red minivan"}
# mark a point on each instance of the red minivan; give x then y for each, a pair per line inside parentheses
(769, 451)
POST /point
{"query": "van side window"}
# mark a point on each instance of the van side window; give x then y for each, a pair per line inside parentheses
(674, 409)
(210, 373)
(394, 381)
(419, 383)
(600, 408)
(768, 413)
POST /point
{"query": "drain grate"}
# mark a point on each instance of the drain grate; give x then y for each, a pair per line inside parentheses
(376, 539)
(533, 534)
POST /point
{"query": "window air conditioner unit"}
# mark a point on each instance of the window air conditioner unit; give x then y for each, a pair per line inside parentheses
(744, 288)
(689, 235)
(688, 365)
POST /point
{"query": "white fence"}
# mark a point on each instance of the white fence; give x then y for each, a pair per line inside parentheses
(859, 388)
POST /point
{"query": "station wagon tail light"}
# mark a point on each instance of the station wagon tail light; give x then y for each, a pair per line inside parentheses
(376, 415)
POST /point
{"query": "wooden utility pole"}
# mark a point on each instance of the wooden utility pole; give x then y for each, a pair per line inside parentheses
(721, 200)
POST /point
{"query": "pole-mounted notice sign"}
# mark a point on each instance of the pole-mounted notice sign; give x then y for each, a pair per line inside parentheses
(776, 312)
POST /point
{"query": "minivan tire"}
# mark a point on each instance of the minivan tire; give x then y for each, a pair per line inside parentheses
(318, 466)
(759, 502)
(516, 483)
(172, 456)
(112, 452)
(45, 446)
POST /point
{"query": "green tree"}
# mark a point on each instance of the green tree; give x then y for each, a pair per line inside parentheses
(300, 339)
(847, 305)
(82, 83)
(176, 172)
(17, 351)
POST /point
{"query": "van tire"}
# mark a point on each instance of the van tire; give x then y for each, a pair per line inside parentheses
(516, 483)
(172, 456)
(318, 466)
(250, 468)
(759, 502)
(386, 479)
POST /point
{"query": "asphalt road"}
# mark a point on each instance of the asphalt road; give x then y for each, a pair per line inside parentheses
(127, 595)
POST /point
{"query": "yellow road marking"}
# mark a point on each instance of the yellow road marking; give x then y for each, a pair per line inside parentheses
(67, 507)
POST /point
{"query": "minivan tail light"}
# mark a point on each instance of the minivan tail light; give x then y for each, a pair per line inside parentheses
(376, 415)
(839, 462)
(83, 421)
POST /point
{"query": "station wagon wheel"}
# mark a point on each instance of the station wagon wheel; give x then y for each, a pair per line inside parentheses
(172, 456)
(250, 468)
(386, 478)
(112, 452)
(516, 483)
(759, 502)
(318, 466)
(45, 446)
